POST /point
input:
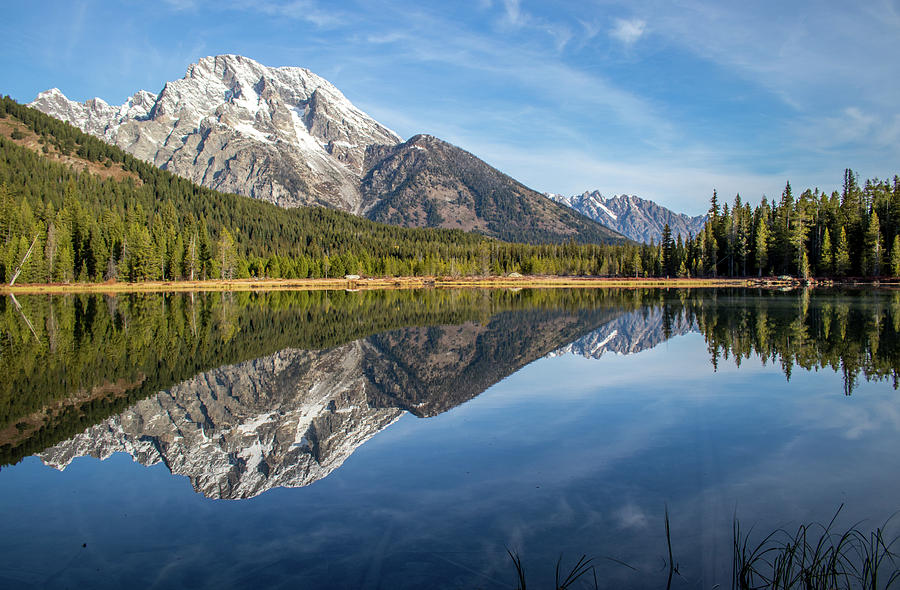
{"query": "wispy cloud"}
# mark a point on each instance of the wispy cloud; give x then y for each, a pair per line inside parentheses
(808, 57)
(180, 5)
(305, 10)
(309, 11)
(512, 14)
(514, 17)
(543, 74)
(628, 31)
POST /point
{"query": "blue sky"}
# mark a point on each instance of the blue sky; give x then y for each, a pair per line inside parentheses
(664, 99)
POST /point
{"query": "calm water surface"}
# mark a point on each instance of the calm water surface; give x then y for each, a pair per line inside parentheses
(408, 439)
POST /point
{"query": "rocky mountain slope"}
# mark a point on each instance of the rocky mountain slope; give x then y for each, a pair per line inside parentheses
(287, 136)
(630, 333)
(292, 417)
(287, 419)
(283, 135)
(426, 182)
(639, 219)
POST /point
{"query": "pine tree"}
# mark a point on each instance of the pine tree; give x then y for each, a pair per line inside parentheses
(227, 255)
(762, 245)
(842, 255)
(804, 265)
(872, 253)
(895, 257)
(668, 251)
(826, 257)
(204, 251)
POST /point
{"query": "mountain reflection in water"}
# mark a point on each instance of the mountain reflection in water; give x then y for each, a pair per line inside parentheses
(518, 420)
(292, 416)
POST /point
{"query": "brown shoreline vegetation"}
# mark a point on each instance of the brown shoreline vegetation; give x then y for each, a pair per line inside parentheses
(343, 283)
(426, 282)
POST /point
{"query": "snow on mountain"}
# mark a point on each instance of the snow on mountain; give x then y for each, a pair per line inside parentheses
(283, 135)
(639, 219)
(292, 417)
(630, 333)
(285, 420)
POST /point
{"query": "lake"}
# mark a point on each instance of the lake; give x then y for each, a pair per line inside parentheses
(410, 439)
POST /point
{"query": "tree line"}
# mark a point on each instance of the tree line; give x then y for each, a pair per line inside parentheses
(153, 225)
(852, 233)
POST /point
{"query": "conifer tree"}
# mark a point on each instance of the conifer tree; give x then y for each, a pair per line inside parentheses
(762, 245)
(842, 255)
(872, 253)
(804, 265)
(826, 257)
(895, 258)
(667, 251)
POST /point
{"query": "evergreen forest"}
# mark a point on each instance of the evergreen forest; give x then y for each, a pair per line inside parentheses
(89, 212)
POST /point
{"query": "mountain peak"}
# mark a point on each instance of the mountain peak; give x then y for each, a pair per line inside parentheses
(640, 219)
(283, 135)
(288, 136)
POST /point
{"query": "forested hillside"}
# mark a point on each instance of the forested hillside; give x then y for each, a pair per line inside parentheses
(426, 182)
(145, 223)
(854, 233)
(94, 213)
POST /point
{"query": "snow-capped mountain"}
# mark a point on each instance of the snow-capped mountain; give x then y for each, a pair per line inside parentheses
(639, 219)
(287, 136)
(290, 418)
(283, 135)
(287, 419)
(630, 333)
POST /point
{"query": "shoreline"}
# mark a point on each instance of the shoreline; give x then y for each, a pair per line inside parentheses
(488, 282)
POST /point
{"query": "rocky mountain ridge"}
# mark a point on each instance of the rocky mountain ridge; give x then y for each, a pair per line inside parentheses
(427, 182)
(291, 418)
(283, 135)
(640, 219)
(630, 333)
(287, 136)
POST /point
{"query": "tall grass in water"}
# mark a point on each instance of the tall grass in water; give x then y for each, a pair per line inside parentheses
(816, 556)
(581, 568)
(585, 565)
(813, 557)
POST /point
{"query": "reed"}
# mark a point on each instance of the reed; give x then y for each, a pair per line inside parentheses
(816, 556)
(813, 556)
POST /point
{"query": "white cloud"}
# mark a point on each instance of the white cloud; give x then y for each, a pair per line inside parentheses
(513, 14)
(514, 17)
(628, 31)
(811, 57)
(631, 516)
(384, 38)
(303, 10)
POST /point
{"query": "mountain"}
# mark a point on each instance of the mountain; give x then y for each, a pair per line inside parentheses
(287, 136)
(431, 183)
(637, 218)
(290, 418)
(631, 333)
(181, 227)
(287, 419)
(283, 135)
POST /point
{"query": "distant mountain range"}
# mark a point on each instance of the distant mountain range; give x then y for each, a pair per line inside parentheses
(288, 136)
(639, 219)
